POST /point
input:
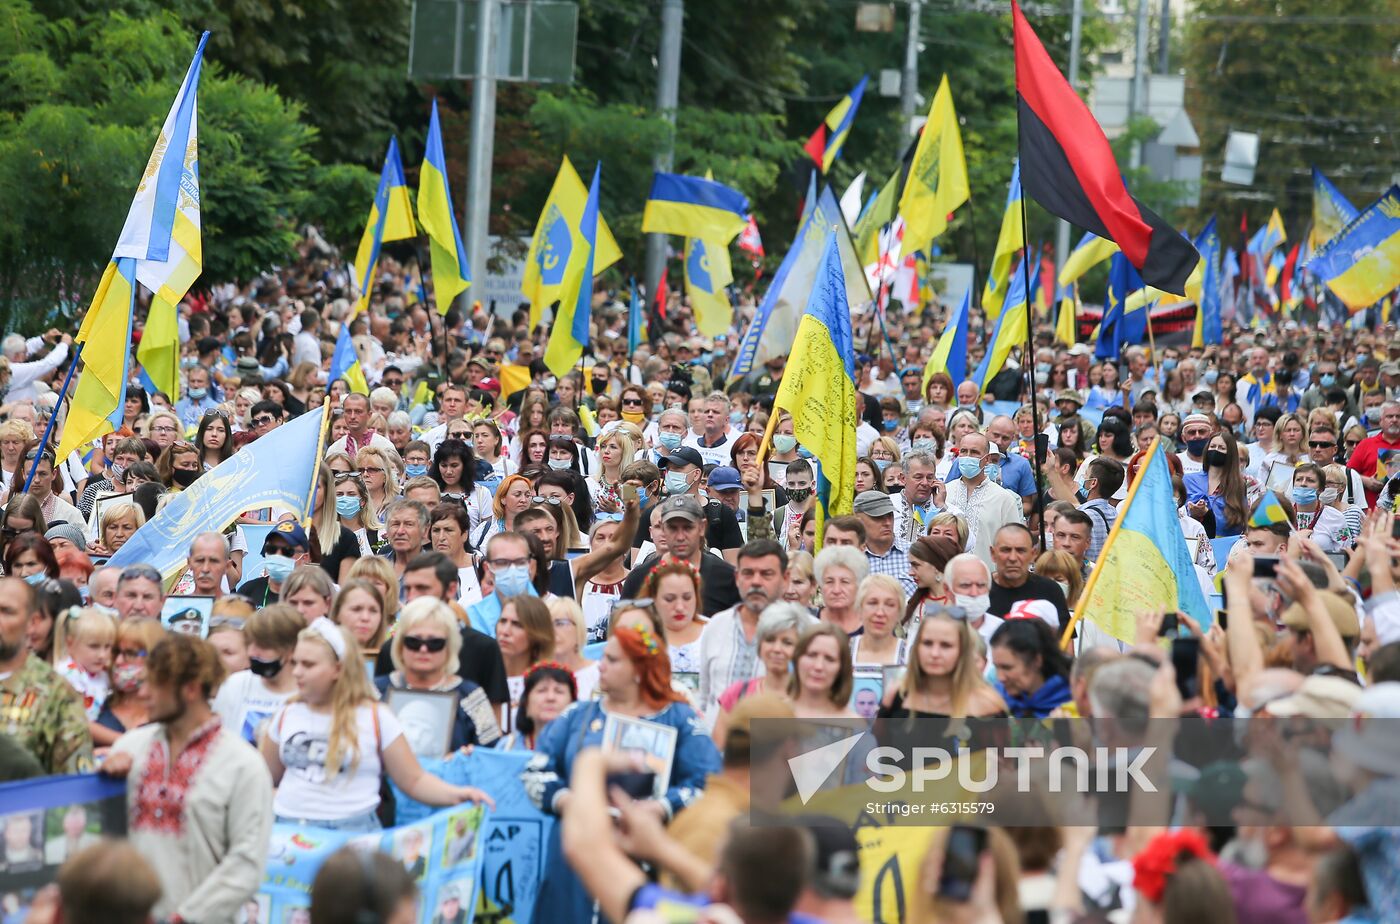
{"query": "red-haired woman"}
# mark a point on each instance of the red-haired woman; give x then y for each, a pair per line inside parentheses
(634, 678)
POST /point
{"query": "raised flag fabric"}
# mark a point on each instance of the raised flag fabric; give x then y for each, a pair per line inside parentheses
(776, 321)
(554, 249)
(751, 243)
(825, 144)
(1066, 322)
(1145, 564)
(694, 207)
(882, 212)
(1268, 512)
(345, 362)
(162, 231)
(277, 470)
(1011, 329)
(819, 388)
(1068, 167)
(1332, 211)
(390, 219)
(851, 199)
(1088, 253)
(950, 353)
(634, 317)
(1011, 238)
(1204, 287)
(1361, 265)
(99, 398)
(1121, 324)
(451, 274)
(707, 272)
(569, 334)
(937, 181)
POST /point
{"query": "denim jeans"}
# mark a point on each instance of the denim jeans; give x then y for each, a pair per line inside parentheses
(355, 824)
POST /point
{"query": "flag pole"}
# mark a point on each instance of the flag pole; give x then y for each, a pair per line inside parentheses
(1152, 344)
(316, 465)
(1028, 361)
(53, 418)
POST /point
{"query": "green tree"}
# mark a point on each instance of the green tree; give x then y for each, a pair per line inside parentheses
(1317, 81)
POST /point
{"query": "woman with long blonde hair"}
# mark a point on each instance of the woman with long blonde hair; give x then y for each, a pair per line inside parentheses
(381, 480)
(329, 745)
(1062, 568)
(942, 677)
(616, 451)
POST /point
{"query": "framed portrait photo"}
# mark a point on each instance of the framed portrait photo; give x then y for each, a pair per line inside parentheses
(187, 615)
(656, 743)
(427, 717)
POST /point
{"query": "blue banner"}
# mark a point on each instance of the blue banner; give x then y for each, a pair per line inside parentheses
(46, 820)
(441, 851)
(516, 834)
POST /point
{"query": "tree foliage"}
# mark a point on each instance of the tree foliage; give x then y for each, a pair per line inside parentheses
(1318, 80)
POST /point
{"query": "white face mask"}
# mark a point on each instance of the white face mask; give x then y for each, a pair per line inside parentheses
(975, 607)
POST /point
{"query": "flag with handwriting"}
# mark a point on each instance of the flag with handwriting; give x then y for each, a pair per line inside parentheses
(937, 181)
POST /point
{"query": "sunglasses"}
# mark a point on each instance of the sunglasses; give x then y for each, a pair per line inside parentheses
(1319, 444)
(418, 643)
(347, 476)
(553, 501)
(263, 420)
(638, 603)
(631, 402)
(232, 622)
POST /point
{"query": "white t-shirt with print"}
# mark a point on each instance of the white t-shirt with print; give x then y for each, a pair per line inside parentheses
(303, 737)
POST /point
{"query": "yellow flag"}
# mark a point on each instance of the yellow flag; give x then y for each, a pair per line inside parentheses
(937, 181)
(557, 243)
(106, 337)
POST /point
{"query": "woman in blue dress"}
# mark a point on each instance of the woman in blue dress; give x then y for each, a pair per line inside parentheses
(634, 678)
(1222, 495)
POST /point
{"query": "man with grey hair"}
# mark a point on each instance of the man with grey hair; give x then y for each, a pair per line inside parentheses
(919, 501)
(208, 565)
(1016, 474)
(1365, 458)
(670, 433)
(968, 583)
(23, 374)
(406, 532)
(717, 436)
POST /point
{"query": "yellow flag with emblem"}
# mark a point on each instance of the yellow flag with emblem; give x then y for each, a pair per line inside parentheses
(937, 182)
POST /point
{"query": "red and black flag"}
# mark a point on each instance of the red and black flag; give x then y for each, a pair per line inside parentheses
(1068, 167)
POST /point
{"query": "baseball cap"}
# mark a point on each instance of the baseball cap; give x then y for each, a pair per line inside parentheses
(686, 455)
(684, 507)
(724, 478)
(291, 533)
(1341, 610)
(1318, 697)
(489, 384)
(874, 504)
(1043, 610)
(1079, 349)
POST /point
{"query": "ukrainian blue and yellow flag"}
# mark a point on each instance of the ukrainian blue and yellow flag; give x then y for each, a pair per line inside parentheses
(819, 387)
(1203, 287)
(1121, 322)
(1268, 512)
(345, 362)
(1332, 211)
(569, 334)
(390, 219)
(555, 249)
(694, 207)
(1067, 321)
(1145, 563)
(1011, 238)
(707, 272)
(950, 353)
(1088, 253)
(162, 232)
(159, 247)
(1361, 265)
(1011, 329)
(826, 142)
(451, 274)
(277, 470)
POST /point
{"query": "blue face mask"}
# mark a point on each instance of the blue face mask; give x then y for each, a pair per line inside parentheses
(890, 425)
(993, 471)
(1168, 364)
(1327, 380)
(672, 441)
(1304, 497)
(736, 418)
(881, 464)
(35, 579)
(197, 394)
(415, 471)
(924, 445)
(278, 567)
(347, 506)
(784, 443)
(969, 468)
(1210, 376)
(514, 581)
(560, 465)
(642, 496)
(676, 483)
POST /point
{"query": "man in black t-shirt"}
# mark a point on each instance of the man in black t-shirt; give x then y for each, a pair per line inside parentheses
(683, 520)
(1012, 550)
(683, 470)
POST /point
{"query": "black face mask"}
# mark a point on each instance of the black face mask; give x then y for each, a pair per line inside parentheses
(1216, 458)
(185, 477)
(265, 668)
(894, 489)
(799, 494)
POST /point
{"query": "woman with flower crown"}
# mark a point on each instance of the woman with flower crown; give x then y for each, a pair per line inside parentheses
(634, 678)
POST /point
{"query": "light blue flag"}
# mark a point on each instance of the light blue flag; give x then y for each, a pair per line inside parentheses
(775, 323)
(276, 470)
(1208, 245)
(634, 318)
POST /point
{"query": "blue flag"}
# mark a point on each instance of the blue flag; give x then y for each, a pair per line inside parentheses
(1208, 245)
(1119, 326)
(634, 317)
(276, 470)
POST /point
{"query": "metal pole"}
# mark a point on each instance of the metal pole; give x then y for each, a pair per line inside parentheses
(483, 129)
(909, 80)
(1075, 26)
(668, 83)
(53, 418)
(1137, 98)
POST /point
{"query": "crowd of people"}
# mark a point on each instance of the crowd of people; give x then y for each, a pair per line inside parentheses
(622, 544)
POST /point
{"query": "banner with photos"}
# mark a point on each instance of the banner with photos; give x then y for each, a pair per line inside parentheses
(442, 851)
(45, 821)
(515, 837)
